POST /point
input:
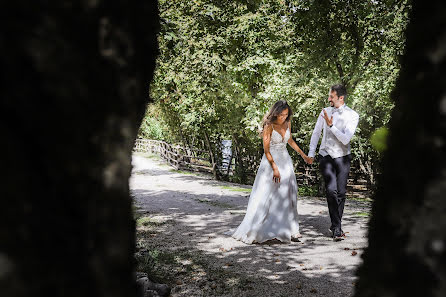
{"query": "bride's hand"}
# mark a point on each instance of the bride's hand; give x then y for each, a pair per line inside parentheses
(308, 160)
(276, 176)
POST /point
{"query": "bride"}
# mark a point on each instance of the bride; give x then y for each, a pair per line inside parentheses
(272, 206)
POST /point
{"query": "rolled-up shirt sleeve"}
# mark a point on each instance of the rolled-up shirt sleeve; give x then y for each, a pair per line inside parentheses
(350, 128)
(316, 135)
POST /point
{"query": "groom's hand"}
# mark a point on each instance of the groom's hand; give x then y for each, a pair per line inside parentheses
(308, 160)
(328, 120)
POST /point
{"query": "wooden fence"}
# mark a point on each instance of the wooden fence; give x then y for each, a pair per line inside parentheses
(177, 156)
(195, 159)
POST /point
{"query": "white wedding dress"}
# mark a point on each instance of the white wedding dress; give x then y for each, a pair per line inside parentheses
(272, 207)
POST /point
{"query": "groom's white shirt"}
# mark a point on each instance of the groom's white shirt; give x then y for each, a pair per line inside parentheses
(335, 140)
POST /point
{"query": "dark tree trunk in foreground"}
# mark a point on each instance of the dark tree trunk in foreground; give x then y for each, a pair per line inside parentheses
(407, 237)
(74, 88)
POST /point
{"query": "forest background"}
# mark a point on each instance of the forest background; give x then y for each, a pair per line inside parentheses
(222, 64)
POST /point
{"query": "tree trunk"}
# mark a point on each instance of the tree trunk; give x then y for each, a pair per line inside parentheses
(407, 237)
(229, 165)
(367, 169)
(239, 166)
(74, 91)
(211, 154)
(186, 143)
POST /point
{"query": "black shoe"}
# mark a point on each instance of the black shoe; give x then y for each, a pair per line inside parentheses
(331, 229)
(338, 235)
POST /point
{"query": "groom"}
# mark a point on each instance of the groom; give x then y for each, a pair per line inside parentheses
(339, 124)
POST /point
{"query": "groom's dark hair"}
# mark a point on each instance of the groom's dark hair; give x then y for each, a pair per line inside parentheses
(340, 90)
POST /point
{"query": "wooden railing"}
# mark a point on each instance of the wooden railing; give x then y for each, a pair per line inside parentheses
(199, 160)
(177, 156)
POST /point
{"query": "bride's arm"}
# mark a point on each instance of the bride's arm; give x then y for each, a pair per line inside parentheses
(294, 145)
(267, 131)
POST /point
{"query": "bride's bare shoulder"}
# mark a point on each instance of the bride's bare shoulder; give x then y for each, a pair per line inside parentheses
(268, 128)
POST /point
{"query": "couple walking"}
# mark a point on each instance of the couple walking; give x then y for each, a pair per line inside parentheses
(272, 207)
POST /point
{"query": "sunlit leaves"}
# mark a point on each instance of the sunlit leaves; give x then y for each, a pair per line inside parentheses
(222, 64)
(379, 139)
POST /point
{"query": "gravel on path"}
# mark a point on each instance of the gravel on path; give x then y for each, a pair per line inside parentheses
(182, 222)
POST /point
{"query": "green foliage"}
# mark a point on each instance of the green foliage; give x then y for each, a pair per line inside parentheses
(148, 221)
(379, 139)
(153, 126)
(308, 190)
(222, 64)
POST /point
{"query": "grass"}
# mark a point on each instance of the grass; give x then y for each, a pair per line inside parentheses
(152, 261)
(168, 266)
(306, 190)
(174, 265)
(361, 214)
(149, 222)
(236, 189)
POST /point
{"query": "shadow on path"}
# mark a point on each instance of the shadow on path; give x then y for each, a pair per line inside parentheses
(193, 213)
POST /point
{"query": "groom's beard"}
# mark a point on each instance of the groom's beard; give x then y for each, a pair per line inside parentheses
(331, 104)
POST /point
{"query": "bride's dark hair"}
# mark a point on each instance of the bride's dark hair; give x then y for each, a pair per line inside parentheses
(276, 110)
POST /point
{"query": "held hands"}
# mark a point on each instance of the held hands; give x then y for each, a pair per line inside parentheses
(308, 160)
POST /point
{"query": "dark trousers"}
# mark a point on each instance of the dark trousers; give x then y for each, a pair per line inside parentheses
(335, 173)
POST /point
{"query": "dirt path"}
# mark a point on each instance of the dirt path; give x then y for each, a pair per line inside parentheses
(181, 240)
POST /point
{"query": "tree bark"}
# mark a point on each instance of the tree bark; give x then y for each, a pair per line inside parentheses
(239, 164)
(211, 155)
(407, 238)
(74, 91)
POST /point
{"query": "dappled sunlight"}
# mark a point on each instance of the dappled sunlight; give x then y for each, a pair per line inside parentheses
(192, 213)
